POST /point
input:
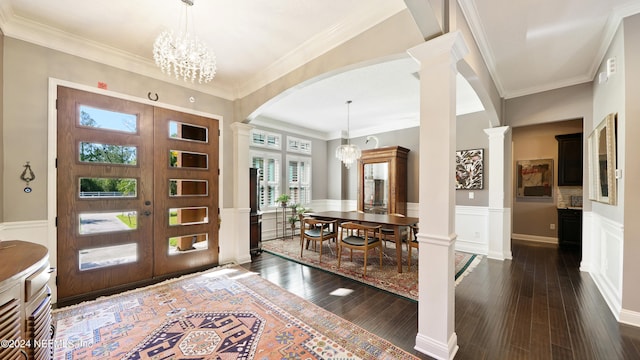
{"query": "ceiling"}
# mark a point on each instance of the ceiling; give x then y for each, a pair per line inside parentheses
(528, 46)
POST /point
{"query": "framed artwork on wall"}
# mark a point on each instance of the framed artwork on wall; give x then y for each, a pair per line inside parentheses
(469, 169)
(534, 178)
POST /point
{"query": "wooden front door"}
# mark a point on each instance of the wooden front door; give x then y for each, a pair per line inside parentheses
(137, 191)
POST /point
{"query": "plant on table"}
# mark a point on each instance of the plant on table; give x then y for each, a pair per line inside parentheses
(283, 199)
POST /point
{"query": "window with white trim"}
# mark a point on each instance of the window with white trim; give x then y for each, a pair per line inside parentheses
(265, 139)
(268, 165)
(299, 179)
(298, 145)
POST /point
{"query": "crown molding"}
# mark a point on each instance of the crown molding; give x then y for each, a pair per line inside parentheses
(391, 125)
(46, 36)
(267, 122)
(549, 86)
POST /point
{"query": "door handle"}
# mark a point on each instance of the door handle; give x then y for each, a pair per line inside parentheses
(146, 213)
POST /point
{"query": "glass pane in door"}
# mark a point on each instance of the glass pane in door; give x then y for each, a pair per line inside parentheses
(108, 120)
(108, 153)
(104, 222)
(100, 188)
(108, 256)
(187, 243)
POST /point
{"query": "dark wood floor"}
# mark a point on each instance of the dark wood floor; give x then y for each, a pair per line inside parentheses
(536, 306)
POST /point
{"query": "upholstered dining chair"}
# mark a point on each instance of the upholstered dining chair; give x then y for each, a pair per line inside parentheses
(412, 243)
(356, 236)
(316, 230)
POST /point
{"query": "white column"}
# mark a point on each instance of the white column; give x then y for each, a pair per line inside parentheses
(436, 311)
(499, 185)
(240, 234)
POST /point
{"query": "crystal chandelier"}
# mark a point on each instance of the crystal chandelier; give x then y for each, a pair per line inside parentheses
(183, 54)
(348, 153)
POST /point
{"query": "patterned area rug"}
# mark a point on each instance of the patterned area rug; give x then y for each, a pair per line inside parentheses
(225, 313)
(386, 278)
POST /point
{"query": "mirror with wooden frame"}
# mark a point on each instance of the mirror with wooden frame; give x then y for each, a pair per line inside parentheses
(602, 161)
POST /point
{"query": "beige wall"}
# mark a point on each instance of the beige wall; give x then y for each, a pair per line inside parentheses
(27, 69)
(567, 103)
(533, 217)
(631, 165)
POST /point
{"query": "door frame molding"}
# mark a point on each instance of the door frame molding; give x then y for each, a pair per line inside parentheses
(52, 150)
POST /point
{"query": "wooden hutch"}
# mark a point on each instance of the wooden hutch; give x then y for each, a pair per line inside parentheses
(382, 180)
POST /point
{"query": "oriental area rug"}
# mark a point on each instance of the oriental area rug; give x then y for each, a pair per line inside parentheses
(386, 277)
(225, 313)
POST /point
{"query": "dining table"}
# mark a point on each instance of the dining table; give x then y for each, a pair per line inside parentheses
(395, 221)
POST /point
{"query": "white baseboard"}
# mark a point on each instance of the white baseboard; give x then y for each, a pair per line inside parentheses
(630, 317)
(435, 349)
(535, 238)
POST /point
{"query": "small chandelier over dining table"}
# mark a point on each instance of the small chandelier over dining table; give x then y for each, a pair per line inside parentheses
(348, 153)
(183, 54)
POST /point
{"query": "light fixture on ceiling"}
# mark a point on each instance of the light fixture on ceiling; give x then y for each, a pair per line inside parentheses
(348, 153)
(183, 54)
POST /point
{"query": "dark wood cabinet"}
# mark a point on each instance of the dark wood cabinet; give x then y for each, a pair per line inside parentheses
(570, 229)
(569, 159)
(255, 217)
(382, 186)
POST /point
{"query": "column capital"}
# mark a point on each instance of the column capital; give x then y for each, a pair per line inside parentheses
(240, 128)
(499, 131)
(452, 43)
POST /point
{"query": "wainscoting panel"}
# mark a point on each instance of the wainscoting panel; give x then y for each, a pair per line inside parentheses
(472, 229)
(33, 231)
(233, 237)
(588, 250)
(471, 223)
(606, 270)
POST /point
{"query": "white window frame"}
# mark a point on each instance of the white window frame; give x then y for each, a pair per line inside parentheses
(268, 139)
(303, 182)
(263, 182)
(298, 145)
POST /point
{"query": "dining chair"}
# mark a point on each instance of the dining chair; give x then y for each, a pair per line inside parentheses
(412, 243)
(316, 230)
(388, 233)
(359, 237)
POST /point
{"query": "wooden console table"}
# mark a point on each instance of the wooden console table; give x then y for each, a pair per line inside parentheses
(25, 301)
